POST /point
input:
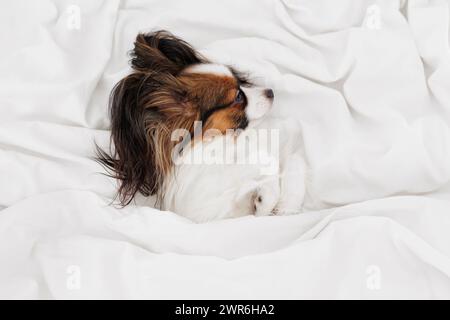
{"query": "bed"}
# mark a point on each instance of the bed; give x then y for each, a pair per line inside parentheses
(368, 82)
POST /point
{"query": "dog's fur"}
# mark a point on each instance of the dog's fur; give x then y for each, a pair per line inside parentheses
(171, 88)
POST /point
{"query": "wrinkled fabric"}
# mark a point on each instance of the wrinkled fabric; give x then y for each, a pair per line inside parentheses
(368, 83)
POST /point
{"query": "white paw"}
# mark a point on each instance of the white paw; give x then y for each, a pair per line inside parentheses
(285, 210)
(265, 198)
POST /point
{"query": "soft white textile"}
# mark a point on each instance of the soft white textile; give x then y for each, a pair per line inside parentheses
(369, 84)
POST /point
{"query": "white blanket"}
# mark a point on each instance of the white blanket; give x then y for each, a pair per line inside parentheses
(369, 84)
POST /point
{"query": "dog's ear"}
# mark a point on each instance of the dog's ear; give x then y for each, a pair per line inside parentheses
(161, 51)
(143, 116)
(128, 162)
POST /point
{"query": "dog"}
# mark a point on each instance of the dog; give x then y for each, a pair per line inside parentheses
(173, 89)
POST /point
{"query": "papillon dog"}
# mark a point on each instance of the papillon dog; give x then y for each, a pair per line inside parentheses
(175, 107)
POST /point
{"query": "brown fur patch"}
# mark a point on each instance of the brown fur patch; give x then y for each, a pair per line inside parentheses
(214, 96)
(208, 90)
(227, 118)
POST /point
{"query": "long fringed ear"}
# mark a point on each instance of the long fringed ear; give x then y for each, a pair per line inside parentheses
(161, 51)
(143, 116)
(132, 161)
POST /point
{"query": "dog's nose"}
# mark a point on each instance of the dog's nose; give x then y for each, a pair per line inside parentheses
(269, 93)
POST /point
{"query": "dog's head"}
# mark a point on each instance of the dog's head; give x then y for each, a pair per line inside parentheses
(171, 87)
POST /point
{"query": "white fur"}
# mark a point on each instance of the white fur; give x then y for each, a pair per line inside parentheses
(211, 68)
(257, 103)
(205, 192)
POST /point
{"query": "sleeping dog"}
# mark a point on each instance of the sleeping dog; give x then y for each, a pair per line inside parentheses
(175, 107)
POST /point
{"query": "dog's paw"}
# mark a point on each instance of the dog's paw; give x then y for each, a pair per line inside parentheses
(292, 204)
(265, 199)
(281, 210)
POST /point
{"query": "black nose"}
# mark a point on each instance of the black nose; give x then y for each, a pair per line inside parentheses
(269, 93)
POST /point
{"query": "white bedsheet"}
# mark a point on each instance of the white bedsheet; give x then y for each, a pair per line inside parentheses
(367, 81)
